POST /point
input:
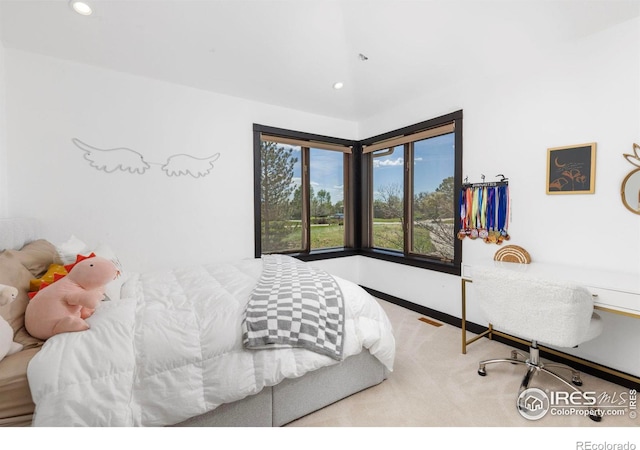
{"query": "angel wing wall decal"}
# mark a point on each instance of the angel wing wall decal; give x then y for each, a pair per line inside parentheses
(110, 160)
(188, 165)
(127, 160)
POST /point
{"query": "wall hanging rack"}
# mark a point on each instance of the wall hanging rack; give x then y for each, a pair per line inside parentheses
(484, 210)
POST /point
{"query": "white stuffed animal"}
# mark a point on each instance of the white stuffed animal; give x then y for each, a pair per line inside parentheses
(7, 347)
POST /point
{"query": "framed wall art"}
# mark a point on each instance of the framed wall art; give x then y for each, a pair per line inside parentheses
(571, 169)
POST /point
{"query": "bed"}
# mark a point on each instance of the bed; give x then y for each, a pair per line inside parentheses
(169, 348)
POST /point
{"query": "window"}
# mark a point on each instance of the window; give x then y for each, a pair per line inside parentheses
(393, 196)
(326, 197)
(432, 215)
(388, 199)
(412, 178)
(301, 192)
(281, 200)
(428, 180)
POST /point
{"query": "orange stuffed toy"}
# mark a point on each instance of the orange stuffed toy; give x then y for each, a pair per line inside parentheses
(54, 273)
(62, 306)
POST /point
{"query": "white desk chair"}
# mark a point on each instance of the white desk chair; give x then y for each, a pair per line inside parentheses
(553, 312)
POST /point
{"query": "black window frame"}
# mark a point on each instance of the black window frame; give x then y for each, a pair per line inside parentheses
(358, 197)
(404, 257)
(308, 254)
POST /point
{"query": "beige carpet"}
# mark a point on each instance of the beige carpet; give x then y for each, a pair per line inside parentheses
(434, 385)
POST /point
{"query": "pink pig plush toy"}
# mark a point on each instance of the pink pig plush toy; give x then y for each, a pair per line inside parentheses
(62, 306)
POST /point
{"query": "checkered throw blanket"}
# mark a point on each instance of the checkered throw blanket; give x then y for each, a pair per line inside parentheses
(294, 305)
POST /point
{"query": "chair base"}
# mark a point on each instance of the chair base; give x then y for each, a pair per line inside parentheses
(535, 366)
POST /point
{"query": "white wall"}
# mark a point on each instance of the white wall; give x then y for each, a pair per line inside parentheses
(150, 220)
(3, 142)
(585, 91)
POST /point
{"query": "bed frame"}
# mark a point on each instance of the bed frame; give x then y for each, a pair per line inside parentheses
(274, 406)
(294, 398)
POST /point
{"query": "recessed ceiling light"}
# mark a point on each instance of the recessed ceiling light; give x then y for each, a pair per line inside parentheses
(81, 7)
(338, 85)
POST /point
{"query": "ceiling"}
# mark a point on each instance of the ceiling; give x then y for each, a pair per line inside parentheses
(291, 52)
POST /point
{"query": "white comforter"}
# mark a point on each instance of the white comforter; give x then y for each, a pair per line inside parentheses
(171, 348)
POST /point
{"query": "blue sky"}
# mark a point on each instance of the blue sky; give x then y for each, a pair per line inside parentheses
(434, 161)
(325, 172)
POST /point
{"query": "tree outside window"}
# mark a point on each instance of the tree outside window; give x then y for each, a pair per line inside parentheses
(280, 220)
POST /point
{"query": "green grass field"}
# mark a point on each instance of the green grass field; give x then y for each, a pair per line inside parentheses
(327, 236)
(387, 233)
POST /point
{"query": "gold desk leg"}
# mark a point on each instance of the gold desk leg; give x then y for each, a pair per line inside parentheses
(463, 326)
(464, 315)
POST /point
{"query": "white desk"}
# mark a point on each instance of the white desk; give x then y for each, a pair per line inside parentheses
(614, 292)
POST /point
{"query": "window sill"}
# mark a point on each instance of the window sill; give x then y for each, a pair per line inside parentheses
(414, 261)
(385, 255)
(329, 253)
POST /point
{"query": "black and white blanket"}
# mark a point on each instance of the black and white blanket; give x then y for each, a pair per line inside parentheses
(294, 305)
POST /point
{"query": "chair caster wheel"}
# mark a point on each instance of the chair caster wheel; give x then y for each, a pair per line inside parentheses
(595, 417)
(482, 373)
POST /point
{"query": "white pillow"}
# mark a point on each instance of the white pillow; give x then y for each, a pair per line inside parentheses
(72, 247)
(112, 289)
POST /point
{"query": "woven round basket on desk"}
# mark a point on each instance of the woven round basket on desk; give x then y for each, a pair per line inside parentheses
(513, 253)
